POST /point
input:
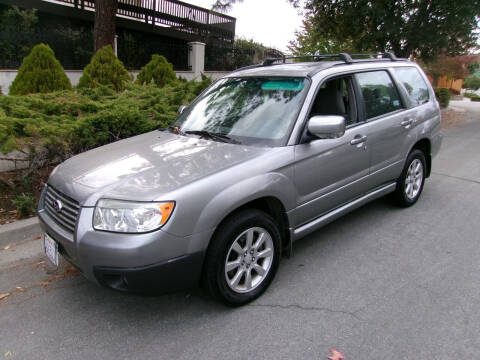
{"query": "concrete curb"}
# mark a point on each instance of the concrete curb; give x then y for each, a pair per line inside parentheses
(19, 230)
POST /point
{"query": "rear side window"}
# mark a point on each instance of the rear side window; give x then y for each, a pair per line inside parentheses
(414, 84)
(379, 93)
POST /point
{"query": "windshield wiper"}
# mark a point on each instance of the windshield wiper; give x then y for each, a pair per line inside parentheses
(213, 136)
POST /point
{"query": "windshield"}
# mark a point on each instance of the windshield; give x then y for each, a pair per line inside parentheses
(253, 110)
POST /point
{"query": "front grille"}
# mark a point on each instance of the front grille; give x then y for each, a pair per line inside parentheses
(67, 215)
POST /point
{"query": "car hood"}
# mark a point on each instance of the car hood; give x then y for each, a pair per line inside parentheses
(144, 167)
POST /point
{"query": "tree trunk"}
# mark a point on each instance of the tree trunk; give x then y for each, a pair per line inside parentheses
(104, 26)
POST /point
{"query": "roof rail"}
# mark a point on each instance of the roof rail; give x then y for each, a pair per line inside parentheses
(385, 55)
(345, 57)
(319, 57)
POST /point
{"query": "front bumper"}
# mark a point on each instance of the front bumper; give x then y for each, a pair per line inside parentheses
(172, 275)
(155, 262)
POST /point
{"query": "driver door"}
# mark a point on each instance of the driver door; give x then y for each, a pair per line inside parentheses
(331, 172)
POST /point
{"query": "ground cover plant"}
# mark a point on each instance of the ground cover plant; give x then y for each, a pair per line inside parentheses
(50, 127)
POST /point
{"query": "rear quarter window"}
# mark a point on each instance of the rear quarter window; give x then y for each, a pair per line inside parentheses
(415, 85)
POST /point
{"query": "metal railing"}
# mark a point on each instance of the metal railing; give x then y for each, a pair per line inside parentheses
(172, 13)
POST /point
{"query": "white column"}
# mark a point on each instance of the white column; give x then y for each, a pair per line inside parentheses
(196, 57)
(115, 44)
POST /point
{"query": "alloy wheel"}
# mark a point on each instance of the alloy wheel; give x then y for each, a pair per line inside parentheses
(249, 260)
(414, 179)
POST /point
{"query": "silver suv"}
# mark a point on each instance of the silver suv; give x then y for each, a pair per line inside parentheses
(263, 157)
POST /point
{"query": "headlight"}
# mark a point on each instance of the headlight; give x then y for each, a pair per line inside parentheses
(131, 217)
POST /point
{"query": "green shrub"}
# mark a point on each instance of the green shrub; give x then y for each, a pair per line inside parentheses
(64, 123)
(472, 82)
(40, 72)
(475, 98)
(104, 70)
(443, 96)
(25, 204)
(158, 70)
(199, 86)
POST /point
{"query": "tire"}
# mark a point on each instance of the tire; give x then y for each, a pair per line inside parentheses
(230, 245)
(411, 181)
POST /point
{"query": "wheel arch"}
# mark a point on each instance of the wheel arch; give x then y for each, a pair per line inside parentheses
(425, 146)
(272, 206)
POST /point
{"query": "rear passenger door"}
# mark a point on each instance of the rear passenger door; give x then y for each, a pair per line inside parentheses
(385, 111)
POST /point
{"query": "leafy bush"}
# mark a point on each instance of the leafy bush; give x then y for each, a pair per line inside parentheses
(158, 71)
(472, 82)
(443, 96)
(25, 204)
(469, 95)
(40, 72)
(52, 127)
(104, 70)
(475, 98)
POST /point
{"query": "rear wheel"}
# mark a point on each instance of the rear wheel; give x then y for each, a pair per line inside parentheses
(411, 181)
(243, 257)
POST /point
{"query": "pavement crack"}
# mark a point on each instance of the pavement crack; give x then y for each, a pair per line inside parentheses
(457, 177)
(307, 308)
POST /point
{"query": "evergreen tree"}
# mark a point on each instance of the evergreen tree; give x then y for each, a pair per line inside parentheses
(40, 72)
(104, 69)
(158, 70)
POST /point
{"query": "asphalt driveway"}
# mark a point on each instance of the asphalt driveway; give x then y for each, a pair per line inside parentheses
(381, 283)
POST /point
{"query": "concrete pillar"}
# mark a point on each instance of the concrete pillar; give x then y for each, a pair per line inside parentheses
(115, 45)
(196, 57)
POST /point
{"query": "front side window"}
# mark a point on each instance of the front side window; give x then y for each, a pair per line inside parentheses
(414, 84)
(379, 93)
(336, 97)
(250, 110)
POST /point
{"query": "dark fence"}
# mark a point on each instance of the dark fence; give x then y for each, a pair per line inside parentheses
(72, 42)
(229, 58)
(136, 49)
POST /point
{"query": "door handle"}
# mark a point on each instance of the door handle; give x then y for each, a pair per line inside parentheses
(406, 123)
(359, 139)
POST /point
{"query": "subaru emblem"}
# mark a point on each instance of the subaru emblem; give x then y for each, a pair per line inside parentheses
(58, 205)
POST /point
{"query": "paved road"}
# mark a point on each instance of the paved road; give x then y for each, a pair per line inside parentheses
(382, 283)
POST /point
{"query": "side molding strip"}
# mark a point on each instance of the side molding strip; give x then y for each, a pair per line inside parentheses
(340, 211)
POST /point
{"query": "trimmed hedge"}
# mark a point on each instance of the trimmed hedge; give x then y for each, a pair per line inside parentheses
(67, 122)
(471, 82)
(40, 72)
(105, 70)
(443, 96)
(158, 70)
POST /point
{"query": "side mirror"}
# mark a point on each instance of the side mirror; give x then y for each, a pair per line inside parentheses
(181, 109)
(326, 126)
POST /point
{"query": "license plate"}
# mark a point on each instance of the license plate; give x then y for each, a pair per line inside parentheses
(51, 249)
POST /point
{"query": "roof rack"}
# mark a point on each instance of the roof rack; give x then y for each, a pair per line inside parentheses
(345, 57)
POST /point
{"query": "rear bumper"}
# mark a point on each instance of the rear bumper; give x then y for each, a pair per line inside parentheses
(436, 142)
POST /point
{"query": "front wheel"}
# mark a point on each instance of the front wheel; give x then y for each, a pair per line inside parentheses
(411, 181)
(243, 257)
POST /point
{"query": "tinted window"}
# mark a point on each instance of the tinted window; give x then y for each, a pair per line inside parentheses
(414, 84)
(379, 93)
